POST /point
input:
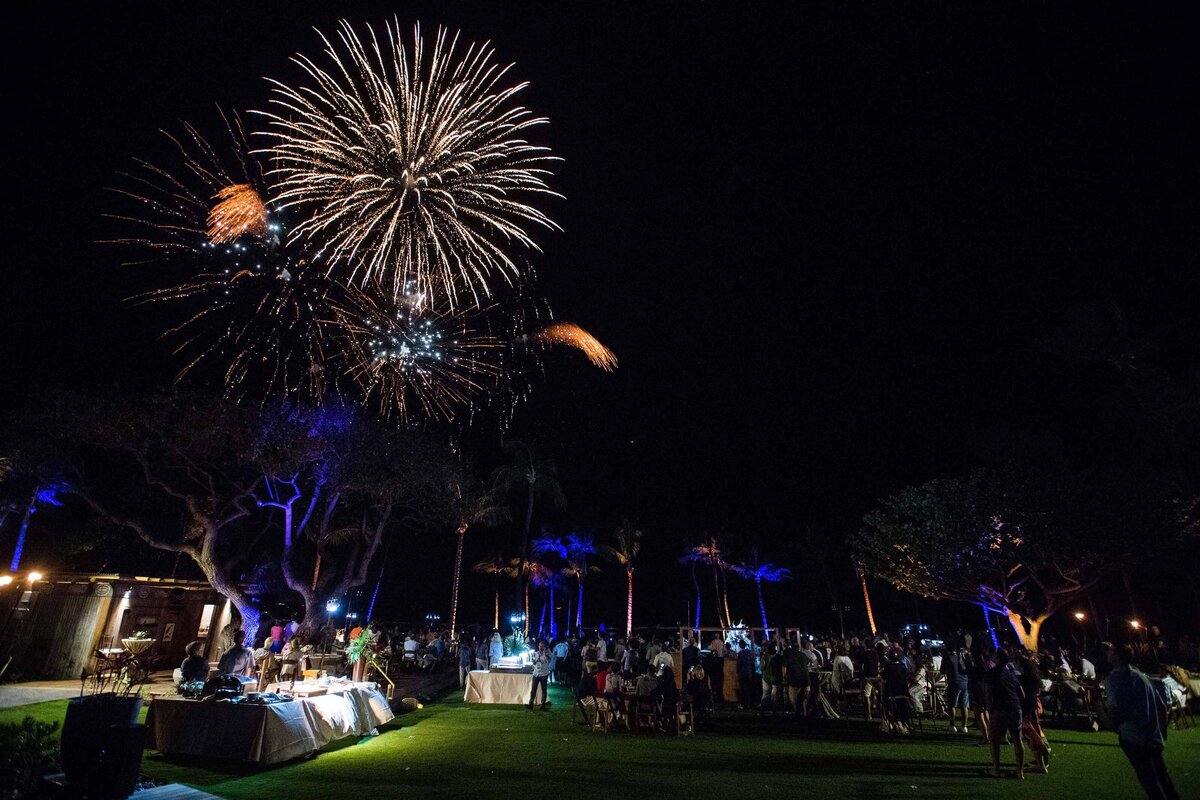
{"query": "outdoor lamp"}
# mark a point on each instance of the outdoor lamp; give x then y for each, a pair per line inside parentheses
(34, 577)
(1133, 623)
(1079, 615)
(5, 580)
(331, 606)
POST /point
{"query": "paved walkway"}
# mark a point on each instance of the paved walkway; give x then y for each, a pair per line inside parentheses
(21, 694)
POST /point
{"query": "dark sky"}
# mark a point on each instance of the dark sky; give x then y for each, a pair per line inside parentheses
(824, 244)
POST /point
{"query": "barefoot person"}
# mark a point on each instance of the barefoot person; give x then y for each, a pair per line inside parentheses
(1004, 690)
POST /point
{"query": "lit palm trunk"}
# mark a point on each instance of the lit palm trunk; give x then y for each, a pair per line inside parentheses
(629, 606)
(462, 530)
(762, 608)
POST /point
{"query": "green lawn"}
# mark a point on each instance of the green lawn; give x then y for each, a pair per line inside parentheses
(452, 748)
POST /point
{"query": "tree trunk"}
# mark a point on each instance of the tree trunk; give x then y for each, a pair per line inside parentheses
(553, 618)
(579, 607)
(541, 630)
(24, 529)
(717, 588)
(522, 578)
(725, 596)
(1028, 639)
(462, 530)
(496, 623)
(762, 608)
(629, 606)
(696, 582)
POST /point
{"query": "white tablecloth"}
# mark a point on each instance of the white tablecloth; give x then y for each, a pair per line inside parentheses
(498, 687)
(264, 734)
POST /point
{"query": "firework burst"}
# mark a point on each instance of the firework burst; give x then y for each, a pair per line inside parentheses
(409, 163)
(253, 301)
(405, 356)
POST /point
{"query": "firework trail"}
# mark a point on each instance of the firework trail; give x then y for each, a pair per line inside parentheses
(409, 163)
(567, 334)
(406, 356)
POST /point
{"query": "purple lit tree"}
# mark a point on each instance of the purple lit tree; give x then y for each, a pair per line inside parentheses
(758, 571)
(580, 547)
(552, 550)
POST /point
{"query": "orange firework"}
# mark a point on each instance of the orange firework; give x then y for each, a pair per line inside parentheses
(569, 334)
(240, 211)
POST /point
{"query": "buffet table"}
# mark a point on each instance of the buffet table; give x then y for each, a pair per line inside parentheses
(498, 687)
(265, 734)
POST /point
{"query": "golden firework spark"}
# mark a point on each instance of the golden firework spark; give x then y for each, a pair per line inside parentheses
(569, 334)
(239, 212)
(409, 163)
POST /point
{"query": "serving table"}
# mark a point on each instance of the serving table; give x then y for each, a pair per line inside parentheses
(265, 734)
(501, 686)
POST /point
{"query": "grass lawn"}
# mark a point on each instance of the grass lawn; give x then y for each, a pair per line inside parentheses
(452, 748)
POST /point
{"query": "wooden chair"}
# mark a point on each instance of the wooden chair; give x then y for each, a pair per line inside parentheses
(645, 715)
(602, 719)
(683, 721)
(586, 706)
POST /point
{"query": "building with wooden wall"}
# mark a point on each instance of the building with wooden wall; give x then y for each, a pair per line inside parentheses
(55, 625)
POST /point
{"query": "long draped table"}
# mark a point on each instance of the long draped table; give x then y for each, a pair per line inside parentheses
(498, 687)
(264, 734)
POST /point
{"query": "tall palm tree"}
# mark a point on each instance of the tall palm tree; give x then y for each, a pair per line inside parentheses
(546, 579)
(709, 553)
(478, 508)
(625, 551)
(758, 571)
(551, 550)
(579, 547)
(498, 567)
(538, 476)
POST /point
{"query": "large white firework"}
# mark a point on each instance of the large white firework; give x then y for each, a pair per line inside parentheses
(409, 163)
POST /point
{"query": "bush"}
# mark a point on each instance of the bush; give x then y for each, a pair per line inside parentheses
(28, 751)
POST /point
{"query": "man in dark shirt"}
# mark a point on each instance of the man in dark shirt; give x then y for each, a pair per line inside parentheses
(957, 695)
(895, 689)
(1004, 690)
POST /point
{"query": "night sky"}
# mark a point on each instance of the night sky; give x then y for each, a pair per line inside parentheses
(828, 246)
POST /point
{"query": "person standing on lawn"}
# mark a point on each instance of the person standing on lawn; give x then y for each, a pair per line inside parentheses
(1139, 714)
(1004, 690)
(541, 675)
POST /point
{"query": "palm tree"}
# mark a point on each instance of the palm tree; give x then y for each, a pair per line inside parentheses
(539, 477)
(498, 567)
(707, 552)
(548, 547)
(625, 552)
(479, 508)
(546, 579)
(579, 547)
(758, 571)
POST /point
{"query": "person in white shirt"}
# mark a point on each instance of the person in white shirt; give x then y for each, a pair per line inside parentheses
(601, 649)
(1087, 669)
(541, 675)
(662, 658)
